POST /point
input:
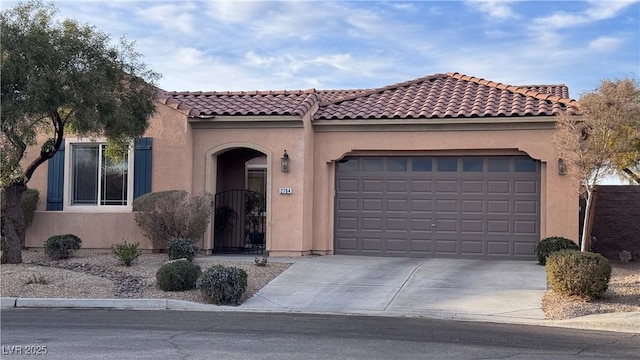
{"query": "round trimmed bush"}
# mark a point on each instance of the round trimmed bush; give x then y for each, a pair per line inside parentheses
(61, 246)
(575, 273)
(552, 244)
(177, 275)
(223, 285)
(179, 248)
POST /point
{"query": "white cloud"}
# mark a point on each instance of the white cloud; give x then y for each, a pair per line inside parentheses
(494, 9)
(596, 11)
(604, 43)
(235, 11)
(171, 16)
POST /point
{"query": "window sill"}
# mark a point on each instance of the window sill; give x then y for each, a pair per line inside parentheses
(97, 209)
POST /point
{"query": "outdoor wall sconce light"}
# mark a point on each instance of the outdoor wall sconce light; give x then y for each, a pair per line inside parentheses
(562, 167)
(284, 162)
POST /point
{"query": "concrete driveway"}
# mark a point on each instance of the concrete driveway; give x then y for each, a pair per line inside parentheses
(442, 288)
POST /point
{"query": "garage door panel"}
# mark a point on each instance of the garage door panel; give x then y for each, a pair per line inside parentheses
(397, 245)
(472, 226)
(498, 227)
(525, 207)
(422, 246)
(347, 204)
(397, 224)
(447, 206)
(421, 205)
(523, 248)
(348, 185)
(397, 186)
(372, 244)
(524, 227)
(472, 206)
(421, 186)
(462, 206)
(447, 225)
(446, 247)
(348, 243)
(348, 223)
(498, 206)
(526, 187)
(498, 187)
(498, 247)
(472, 247)
(472, 187)
(447, 186)
(372, 204)
(372, 186)
(421, 225)
(397, 205)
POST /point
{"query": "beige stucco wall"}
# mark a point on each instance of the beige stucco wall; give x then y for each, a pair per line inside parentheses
(172, 166)
(285, 224)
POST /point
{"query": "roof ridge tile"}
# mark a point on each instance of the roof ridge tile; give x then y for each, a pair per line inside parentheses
(522, 90)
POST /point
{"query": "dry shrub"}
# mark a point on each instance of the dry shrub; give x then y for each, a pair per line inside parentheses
(172, 214)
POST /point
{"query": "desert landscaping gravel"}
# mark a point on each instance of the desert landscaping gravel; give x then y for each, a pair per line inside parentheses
(98, 274)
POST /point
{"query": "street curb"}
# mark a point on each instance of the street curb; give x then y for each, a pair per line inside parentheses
(7, 302)
(615, 322)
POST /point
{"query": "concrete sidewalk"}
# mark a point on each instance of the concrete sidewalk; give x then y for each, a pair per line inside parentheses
(465, 290)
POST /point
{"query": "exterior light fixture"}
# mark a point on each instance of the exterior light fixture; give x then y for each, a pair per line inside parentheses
(562, 167)
(284, 162)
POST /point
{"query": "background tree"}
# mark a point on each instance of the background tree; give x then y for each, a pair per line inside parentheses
(602, 140)
(57, 77)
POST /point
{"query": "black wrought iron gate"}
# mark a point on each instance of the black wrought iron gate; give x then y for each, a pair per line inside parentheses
(239, 222)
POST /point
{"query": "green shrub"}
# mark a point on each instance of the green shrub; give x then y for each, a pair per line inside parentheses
(61, 246)
(126, 252)
(172, 214)
(177, 275)
(179, 248)
(575, 273)
(223, 285)
(552, 244)
(29, 201)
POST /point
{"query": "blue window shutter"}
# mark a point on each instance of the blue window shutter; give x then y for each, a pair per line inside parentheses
(142, 166)
(55, 180)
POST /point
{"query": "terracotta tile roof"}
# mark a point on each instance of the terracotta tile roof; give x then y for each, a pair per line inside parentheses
(217, 103)
(449, 95)
(436, 96)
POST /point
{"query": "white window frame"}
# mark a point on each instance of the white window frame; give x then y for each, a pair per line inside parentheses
(67, 206)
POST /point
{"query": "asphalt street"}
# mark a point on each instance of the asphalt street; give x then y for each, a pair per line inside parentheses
(120, 334)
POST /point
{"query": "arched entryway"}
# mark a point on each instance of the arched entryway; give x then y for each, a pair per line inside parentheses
(240, 184)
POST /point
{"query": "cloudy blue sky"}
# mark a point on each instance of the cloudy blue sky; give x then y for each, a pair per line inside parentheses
(264, 45)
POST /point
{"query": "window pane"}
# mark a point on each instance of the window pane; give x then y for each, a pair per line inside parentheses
(421, 164)
(397, 164)
(498, 165)
(447, 164)
(348, 165)
(257, 180)
(525, 165)
(371, 164)
(474, 165)
(114, 181)
(84, 159)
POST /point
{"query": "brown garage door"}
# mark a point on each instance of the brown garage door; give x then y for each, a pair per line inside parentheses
(482, 207)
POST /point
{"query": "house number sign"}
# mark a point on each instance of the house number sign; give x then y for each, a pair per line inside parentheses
(286, 191)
